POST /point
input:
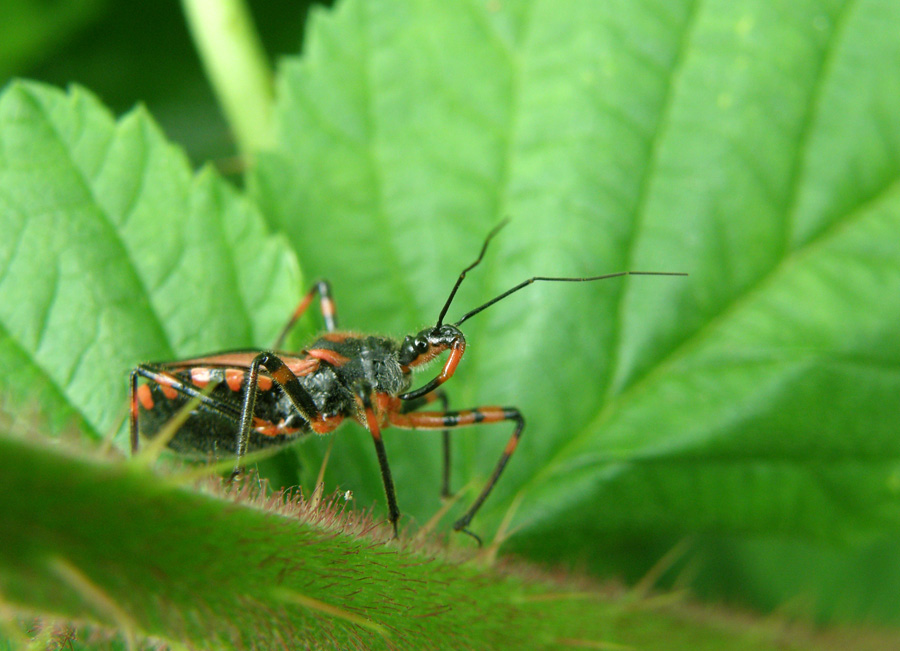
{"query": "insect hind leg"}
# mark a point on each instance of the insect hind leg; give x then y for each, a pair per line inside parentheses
(326, 305)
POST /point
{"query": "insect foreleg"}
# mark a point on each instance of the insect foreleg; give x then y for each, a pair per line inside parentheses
(374, 428)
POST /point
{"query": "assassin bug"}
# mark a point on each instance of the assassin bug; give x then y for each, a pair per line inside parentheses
(261, 399)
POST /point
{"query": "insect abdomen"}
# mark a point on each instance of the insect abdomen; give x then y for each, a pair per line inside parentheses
(213, 433)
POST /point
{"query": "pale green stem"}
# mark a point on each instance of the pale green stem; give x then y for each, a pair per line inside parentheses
(236, 65)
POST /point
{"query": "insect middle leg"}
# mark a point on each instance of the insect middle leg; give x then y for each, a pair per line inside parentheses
(364, 399)
(326, 304)
(300, 399)
(418, 403)
(452, 419)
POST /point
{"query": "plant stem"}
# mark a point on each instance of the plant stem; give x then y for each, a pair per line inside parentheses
(232, 54)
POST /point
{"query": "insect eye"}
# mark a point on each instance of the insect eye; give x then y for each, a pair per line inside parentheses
(421, 344)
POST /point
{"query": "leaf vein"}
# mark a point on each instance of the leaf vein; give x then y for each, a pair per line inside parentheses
(795, 180)
(101, 211)
(384, 230)
(639, 210)
(614, 404)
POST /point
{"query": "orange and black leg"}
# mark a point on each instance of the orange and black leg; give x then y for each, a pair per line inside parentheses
(299, 397)
(365, 401)
(453, 419)
(329, 313)
(457, 346)
(418, 403)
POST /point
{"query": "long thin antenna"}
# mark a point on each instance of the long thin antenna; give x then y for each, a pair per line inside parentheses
(468, 315)
(459, 280)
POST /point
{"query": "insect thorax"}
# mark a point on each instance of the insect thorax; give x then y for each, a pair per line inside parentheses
(369, 363)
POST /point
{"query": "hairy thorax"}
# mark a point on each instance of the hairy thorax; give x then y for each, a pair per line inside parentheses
(362, 363)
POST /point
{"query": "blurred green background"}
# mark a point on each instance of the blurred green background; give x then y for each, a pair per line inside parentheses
(130, 53)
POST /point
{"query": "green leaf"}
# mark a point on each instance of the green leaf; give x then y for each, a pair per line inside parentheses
(114, 252)
(140, 555)
(751, 144)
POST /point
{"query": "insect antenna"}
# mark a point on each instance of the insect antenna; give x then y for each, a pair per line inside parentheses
(459, 280)
(525, 283)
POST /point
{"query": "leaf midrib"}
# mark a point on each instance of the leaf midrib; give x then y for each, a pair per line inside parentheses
(112, 231)
(695, 340)
(640, 204)
(703, 334)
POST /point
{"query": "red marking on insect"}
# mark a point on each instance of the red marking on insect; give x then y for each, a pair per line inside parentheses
(301, 367)
(371, 422)
(510, 446)
(328, 308)
(283, 375)
(338, 337)
(386, 403)
(263, 398)
(234, 378)
(231, 359)
(452, 361)
(327, 424)
(331, 356)
(492, 414)
(145, 396)
(267, 428)
(168, 390)
(200, 376)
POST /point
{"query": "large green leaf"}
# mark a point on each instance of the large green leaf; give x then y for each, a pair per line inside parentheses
(113, 253)
(750, 144)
